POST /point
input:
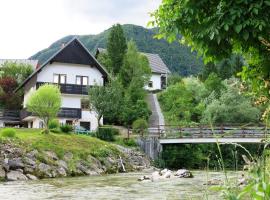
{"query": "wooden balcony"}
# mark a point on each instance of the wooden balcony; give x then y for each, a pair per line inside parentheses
(70, 88)
(10, 115)
(69, 113)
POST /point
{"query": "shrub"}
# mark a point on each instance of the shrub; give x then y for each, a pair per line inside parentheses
(107, 133)
(8, 132)
(66, 128)
(126, 142)
(140, 126)
(54, 124)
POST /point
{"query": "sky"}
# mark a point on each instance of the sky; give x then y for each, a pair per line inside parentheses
(28, 26)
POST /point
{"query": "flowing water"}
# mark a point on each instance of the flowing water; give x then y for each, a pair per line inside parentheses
(119, 186)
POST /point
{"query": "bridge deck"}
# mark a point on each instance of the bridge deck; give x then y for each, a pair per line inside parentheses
(210, 140)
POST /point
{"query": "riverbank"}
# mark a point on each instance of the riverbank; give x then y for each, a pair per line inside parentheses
(32, 155)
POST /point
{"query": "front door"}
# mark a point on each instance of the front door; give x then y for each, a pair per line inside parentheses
(85, 125)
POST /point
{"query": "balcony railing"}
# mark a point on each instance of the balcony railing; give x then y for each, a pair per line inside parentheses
(10, 115)
(70, 88)
(70, 113)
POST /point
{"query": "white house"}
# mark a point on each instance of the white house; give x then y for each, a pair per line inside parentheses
(160, 72)
(75, 70)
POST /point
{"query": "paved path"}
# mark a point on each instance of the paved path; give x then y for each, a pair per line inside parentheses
(157, 117)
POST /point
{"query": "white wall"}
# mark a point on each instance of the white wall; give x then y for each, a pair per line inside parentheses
(71, 101)
(71, 70)
(28, 89)
(156, 79)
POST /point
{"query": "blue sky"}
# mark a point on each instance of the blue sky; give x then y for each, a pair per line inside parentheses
(28, 26)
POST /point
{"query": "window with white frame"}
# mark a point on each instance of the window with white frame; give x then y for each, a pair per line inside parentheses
(60, 78)
(82, 80)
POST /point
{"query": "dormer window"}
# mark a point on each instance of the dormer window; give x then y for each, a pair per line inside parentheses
(82, 80)
(60, 78)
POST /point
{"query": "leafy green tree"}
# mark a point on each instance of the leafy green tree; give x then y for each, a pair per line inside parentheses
(107, 100)
(45, 103)
(214, 84)
(116, 47)
(18, 71)
(104, 59)
(217, 29)
(174, 78)
(134, 65)
(231, 107)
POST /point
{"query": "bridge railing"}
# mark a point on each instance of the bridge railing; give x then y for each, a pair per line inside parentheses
(172, 131)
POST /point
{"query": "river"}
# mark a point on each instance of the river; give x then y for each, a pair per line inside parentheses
(118, 186)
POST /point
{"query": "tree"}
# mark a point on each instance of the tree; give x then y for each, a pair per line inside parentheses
(45, 103)
(106, 100)
(18, 71)
(116, 47)
(135, 65)
(217, 29)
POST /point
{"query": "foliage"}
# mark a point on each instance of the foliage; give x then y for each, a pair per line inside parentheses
(9, 99)
(173, 79)
(217, 29)
(105, 61)
(107, 100)
(214, 84)
(177, 57)
(140, 126)
(116, 47)
(196, 156)
(8, 132)
(66, 128)
(54, 124)
(107, 133)
(181, 103)
(126, 142)
(134, 65)
(45, 103)
(18, 71)
(231, 107)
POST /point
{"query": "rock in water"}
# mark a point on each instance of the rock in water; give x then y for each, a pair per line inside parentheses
(167, 174)
(31, 177)
(155, 176)
(184, 173)
(163, 171)
(16, 176)
(15, 163)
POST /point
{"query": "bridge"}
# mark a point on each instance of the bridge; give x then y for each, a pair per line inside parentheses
(166, 135)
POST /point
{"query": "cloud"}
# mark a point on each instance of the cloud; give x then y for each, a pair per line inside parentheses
(30, 25)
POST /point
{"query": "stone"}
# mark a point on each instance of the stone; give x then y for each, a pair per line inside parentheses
(45, 170)
(163, 171)
(61, 171)
(31, 177)
(68, 156)
(155, 176)
(143, 178)
(63, 164)
(29, 170)
(19, 170)
(32, 154)
(51, 155)
(213, 182)
(184, 173)
(29, 161)
(15, 163)
(167, 174)
(16, 176)
(2, 173)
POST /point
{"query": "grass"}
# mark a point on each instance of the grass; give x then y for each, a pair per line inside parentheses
(80, 145)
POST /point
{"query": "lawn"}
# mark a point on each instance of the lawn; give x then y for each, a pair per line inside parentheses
(80, 145)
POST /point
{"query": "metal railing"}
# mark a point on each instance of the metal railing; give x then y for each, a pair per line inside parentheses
(69, 88)
(9, 115)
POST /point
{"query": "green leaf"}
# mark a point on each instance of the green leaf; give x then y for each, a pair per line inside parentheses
(246, 35)
(238, 28)
(226, 27)
(267, 3)
(212, 35)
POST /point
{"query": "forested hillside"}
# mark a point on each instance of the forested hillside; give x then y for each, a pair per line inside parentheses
(177, 56)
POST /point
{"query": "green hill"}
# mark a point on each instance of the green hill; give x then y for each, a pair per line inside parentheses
(177, 56)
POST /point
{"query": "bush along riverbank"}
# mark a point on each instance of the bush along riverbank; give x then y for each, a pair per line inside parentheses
(30, 155)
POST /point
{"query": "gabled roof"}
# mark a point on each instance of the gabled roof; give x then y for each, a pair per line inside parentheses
(156, 63)
(73, 52)
(33, 63)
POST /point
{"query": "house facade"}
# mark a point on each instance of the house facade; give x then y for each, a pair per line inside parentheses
(159, 70)
(74, 70)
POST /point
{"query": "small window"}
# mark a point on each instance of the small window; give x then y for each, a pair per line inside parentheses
(60, 78)
(150, 84)
(82, 80)
(85, 104)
